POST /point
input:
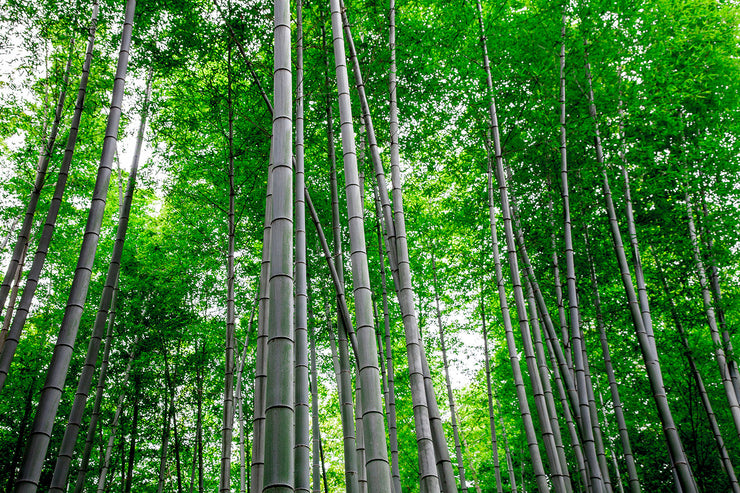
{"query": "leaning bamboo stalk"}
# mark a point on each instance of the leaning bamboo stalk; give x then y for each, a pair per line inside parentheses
(367, 365)
(544, 374)
(66, 449)
(240, 401)
(717, 298)
(719, 352)
(391, 399)
(634, 482)
(450, 397)
(33, 200)
(524, 410)
(423, 429)
(116, 419)
(491, 414)
(61, 357)
(706, 403)
(652, 365)
(580, 405)
(34, 273)
(13, 297)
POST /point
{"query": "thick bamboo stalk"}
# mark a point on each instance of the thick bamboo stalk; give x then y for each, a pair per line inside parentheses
(10, 342)
(57, 371)
(377, 463)
(66, 449)
(279, 468)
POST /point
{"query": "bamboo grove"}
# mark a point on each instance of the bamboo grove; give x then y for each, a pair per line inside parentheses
(425, 246)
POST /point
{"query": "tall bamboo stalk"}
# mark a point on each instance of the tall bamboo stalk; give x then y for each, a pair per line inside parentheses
(227, 423)
(390, 379)
(450, 397)
(652, 365)
(634, 482)
(66, 449)
(301, 395)
(57, 371)
(367, 365)
(33, 200)
(491, 414)
(280, 371)
(10, 342)
(524, 411)
(706, 403)
(719, 352)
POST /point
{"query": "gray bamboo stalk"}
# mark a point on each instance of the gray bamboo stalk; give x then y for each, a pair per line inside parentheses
(301, 396)
(57, 371)
(316, 466)
(10, 232)
(39, 258)
(95, 414)
(360, 442)
(367, 365)
(642, 296)
(390, 379)
(575, 441)
(353, 468)
(634, 482)
(615, 464)
(719, 352)
(13, 298)
(335, 270)
(706, 403)
(240, 402)
(258, 420)
(441, 452)
(33, 200)
(524, 411)
(116, 419)
(66, 450)
(717, 297)
(581, 409)
(227, 424)
(507, 451)
(491, 414)
(544, 375)
(655, 376)
(565, 193)
(279, 457)
(351, 480)
(450, 397)
(427, 443)
(598, 435)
